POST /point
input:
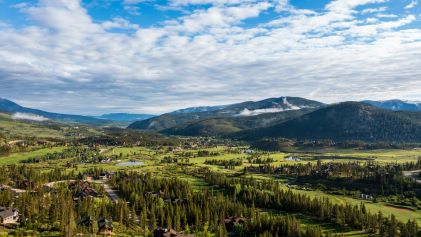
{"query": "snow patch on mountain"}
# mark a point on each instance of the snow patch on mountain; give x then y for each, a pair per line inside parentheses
(290, 106)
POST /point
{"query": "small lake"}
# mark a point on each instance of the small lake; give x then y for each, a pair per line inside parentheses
(130, 163)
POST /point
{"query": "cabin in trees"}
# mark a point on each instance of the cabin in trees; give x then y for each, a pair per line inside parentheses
(165, 232)
(9, 215)
(82, 189)
(105, 227)
(232, 221)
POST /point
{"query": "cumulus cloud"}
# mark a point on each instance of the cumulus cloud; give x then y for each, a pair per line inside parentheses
(411, 5)
(373, 10)
(119, 23)
(32, 117)
(208, 56)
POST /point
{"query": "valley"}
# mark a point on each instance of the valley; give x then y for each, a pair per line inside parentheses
(347, 169)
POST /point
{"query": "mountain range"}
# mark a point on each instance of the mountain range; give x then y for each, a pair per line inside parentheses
(296, 118)
(396, 105)
(125, 117)
(283, 117)
(24, 113)
(265, 111)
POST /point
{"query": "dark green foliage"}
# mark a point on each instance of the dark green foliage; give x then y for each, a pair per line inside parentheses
(226, 119)
(226, 126)
(267, 194)
(343, 122)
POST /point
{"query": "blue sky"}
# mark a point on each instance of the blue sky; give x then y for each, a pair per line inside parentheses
(99, 56)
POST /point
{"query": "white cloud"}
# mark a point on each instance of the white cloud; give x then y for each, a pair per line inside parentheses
(411, 5)
(373, 10)
(132, 9)
(32, 117)
(255, 112)
(387, 15)
(345, 6)
(219, 16)
(207, 57)
(119, 23)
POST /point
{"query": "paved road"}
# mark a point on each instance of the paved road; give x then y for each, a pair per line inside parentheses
(15, 190)
(112, 194)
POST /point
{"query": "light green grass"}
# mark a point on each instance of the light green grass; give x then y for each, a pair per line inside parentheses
(401, 214)
(12, 128)
(18, 157)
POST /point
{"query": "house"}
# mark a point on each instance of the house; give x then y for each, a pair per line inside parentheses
(8, 215)
(366, 196)
(82, 189)
(249, 151)
(105, 227)
(291, 158)
(232, 221)
(165, 232)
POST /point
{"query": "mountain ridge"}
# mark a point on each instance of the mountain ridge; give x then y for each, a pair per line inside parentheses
(9, 106)
(396, 105)
(345, 121)
(124, 117)
(248, 108)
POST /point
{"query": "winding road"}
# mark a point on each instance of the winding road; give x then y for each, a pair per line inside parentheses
(112, 193)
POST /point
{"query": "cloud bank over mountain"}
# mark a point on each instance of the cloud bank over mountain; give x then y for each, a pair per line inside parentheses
(207, 52)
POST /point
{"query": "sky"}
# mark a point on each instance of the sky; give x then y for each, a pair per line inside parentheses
(143, 56)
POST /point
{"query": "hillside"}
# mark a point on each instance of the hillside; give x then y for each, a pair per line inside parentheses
(245, 109)
(13, 129)
(8, 106)
(224, 126)
(345, 121)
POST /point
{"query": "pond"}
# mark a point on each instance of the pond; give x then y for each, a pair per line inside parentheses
(130, 163)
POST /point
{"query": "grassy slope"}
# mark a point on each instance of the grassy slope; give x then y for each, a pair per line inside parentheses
(12, 128)
(18, 157)
(380, 155)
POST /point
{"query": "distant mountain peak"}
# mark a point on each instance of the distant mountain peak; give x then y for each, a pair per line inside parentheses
(270, 106)
(396, 105)
(125, 117)
(199, 109)
(280, 104)
(24, 113)
(343, 122)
